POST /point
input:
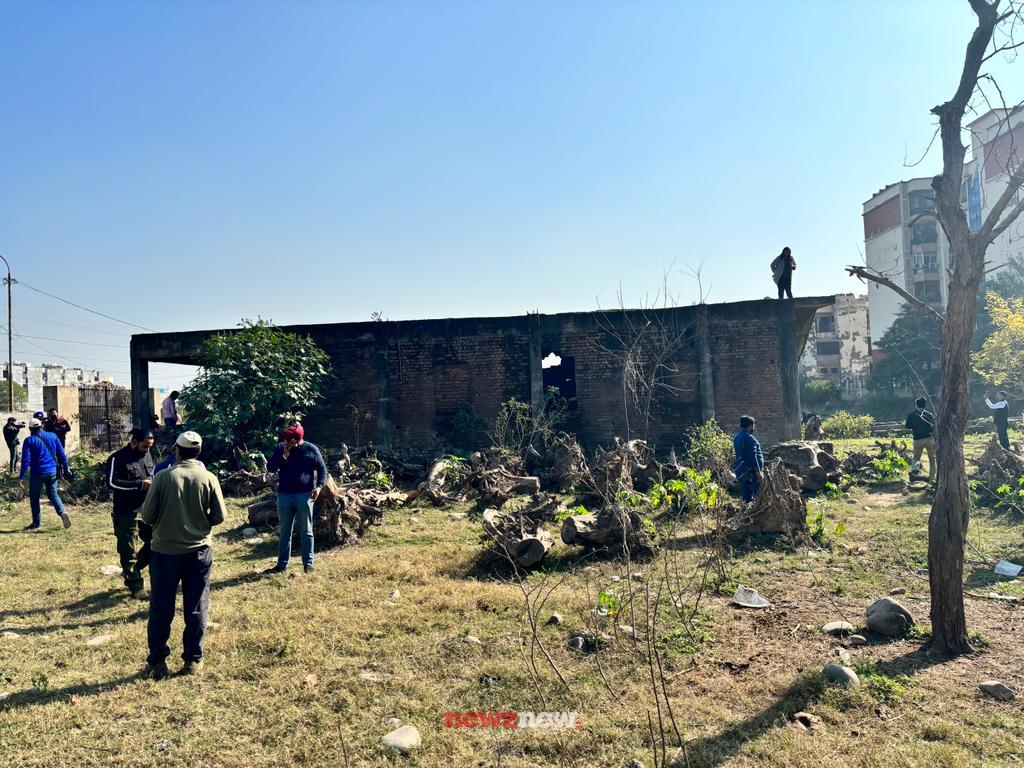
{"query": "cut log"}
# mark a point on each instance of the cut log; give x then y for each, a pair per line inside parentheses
(611, 528)
(813, 462)
(517, 537)
(778, 506)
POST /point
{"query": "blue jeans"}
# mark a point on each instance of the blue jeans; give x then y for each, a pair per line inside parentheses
(192, 571)
(35, 488)
(292, 507)
(748, 486)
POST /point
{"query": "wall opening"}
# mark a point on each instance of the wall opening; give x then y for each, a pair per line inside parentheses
(560, 373)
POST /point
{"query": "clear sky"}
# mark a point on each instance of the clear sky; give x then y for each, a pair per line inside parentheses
(183, 165)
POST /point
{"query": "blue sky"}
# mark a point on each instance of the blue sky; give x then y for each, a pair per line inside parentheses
(183, 165)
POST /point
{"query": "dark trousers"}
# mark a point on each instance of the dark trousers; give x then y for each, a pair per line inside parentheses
(786, 285)
(130, 531)
(171, 422)
(12, 449)
(1004, 438)
(192, 571)
(748, 486)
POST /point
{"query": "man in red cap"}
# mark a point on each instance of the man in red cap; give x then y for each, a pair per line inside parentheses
(301, 473)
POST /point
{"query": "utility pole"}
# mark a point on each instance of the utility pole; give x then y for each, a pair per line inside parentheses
(10, 343)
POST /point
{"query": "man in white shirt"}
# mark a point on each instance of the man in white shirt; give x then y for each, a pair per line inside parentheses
(169, 410)
(1000, 417)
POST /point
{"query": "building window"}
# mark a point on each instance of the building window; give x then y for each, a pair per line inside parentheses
(924, 232)
(922, 201)
(928, 290)
(828, 347)
(835, 370)
(826, 324)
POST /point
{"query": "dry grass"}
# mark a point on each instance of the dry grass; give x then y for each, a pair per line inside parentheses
(67, 703)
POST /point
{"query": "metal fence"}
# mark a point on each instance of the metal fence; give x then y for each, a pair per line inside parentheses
(105, 417)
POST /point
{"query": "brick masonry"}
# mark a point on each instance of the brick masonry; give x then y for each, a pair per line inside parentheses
(406, 380)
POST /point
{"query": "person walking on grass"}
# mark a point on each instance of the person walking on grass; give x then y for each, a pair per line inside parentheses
(749, 463)
(1001, 417)
(42, 456)
(301, 473)
(129, 475)
(922, 424)
(182, 505)
(783, 266)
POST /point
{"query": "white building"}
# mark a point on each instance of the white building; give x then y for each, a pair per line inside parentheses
(902, 236)
(839, 345)
(34, 377)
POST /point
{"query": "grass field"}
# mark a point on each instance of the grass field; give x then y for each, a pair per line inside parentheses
(307, 670)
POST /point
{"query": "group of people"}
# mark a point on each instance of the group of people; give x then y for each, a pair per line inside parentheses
(52, 422)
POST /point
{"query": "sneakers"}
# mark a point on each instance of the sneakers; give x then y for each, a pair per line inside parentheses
(192, 668)
(275, 569)
(157, 671)
(31, 527)
(67, 519)
(140, 594)
(308, 568)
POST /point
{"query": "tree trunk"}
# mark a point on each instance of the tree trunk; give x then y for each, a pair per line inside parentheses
(947, 524)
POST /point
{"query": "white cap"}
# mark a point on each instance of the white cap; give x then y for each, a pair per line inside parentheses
(189, 440)
(34, 423)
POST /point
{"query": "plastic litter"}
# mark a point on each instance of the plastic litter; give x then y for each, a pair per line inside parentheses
(1006, 568)
(748, 597)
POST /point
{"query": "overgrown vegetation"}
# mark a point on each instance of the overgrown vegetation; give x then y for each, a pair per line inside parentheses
(843, 424)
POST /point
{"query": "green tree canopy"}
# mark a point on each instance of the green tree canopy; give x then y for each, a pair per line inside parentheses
(253, 382)
(1000, 360)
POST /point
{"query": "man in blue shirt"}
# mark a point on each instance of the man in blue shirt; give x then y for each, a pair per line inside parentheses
(301, 473)
(41, 456)
(749, 459)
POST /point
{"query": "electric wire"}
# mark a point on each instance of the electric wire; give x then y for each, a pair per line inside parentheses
(86, 309)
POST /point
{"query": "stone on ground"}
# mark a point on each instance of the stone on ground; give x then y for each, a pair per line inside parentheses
(554, 618)
(111, 570)
(997, 690)
(841, 675)
(99, 640)
(807, 721)
(249, 532)
(837, 628)
(472, 640)
(404, 739)
(888, 617)
(855, 640)
(10, 634)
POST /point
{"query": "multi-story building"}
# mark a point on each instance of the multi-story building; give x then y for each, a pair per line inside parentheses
(838, 346)
(34, 377)
(902, 236)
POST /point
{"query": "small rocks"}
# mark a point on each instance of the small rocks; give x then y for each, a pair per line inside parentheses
(616, 579)
(111, 570)
(394, 595)
(99, 640)
(404, 739)
(555, 619)
(370, 676)
(628, 631)
(888, 617)
(249, 532)
(10, 634)
(637, 576)
(838, 628)
(997, 690)
(310, 681)
(841, 675)
(253, 541)
(456, 515)
(856, 640)
(582, 641)
(898, 591)
(472, 640)
(393, 722)
(843, 655)
(414, 520)
(634, 763)
(806, 721)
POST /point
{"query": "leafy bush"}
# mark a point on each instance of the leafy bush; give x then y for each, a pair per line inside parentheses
(709, 447)
(817, 523)
(818, 391)
(887, 468)
(846, 424)
(694, 490)
(466, 429)
(517, 428)
(882, 687)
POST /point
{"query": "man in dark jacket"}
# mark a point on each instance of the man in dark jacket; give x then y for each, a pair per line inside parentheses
(1001, 417)
(58, 425)
(129, 475)
(749, 458)
(11, 431)
(301, 473)
(922, 424)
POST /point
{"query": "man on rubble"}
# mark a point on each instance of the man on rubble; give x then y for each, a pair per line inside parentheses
(129, 475)
(749, 462)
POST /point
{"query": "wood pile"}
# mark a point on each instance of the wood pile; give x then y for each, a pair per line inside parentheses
(996, 467)
(451, 480)
(615, 528)
(857, 461)
(778, 506)
(814, 462)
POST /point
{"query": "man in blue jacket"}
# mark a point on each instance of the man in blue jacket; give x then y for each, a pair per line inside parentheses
(41, 456)
(301, 473)
(749, 459)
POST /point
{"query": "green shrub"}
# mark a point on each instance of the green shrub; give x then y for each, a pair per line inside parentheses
(818, 391)
(846, 424)
(709, 447)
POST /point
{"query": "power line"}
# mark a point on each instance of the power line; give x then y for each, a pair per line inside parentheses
(69, 341)
(79, 306)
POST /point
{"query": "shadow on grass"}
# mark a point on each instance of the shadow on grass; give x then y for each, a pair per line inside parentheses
(43, 629)
(711, 751)
(98, 601)
(32, 697)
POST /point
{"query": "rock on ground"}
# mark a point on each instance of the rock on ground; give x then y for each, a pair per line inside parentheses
(404, 739)
(837, 628)
(888, 617)
(249, 532)
(99, 640)
(842, 675)
(997, 690)
(855, 640)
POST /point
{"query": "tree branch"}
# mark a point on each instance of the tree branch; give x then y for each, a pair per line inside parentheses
(863, 273)
(994, 226)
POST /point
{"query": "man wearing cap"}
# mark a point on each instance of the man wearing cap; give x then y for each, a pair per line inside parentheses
(41, 456)
(129, 476)
(301, 473)
(183, 504)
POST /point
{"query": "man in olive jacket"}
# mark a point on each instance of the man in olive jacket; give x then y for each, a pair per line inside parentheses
(182, 505)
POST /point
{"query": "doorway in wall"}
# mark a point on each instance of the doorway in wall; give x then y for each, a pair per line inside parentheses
(560, 373)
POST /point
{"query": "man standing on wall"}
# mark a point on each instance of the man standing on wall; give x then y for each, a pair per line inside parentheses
(782, 272)
(749, 459)
(182, 506)
(1001, 417)
(42, 456)
(301, 474)
(922, 424)
(130, 474)
(169, 410)
(58, 425)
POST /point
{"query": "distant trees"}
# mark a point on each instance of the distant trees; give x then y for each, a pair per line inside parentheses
(1000, 360)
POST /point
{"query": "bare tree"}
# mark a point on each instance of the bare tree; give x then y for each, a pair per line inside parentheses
(947, 525)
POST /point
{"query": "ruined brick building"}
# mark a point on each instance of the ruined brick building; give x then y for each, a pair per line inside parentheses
(675, 366)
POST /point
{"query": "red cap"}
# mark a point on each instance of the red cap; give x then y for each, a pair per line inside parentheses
(293, 432)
